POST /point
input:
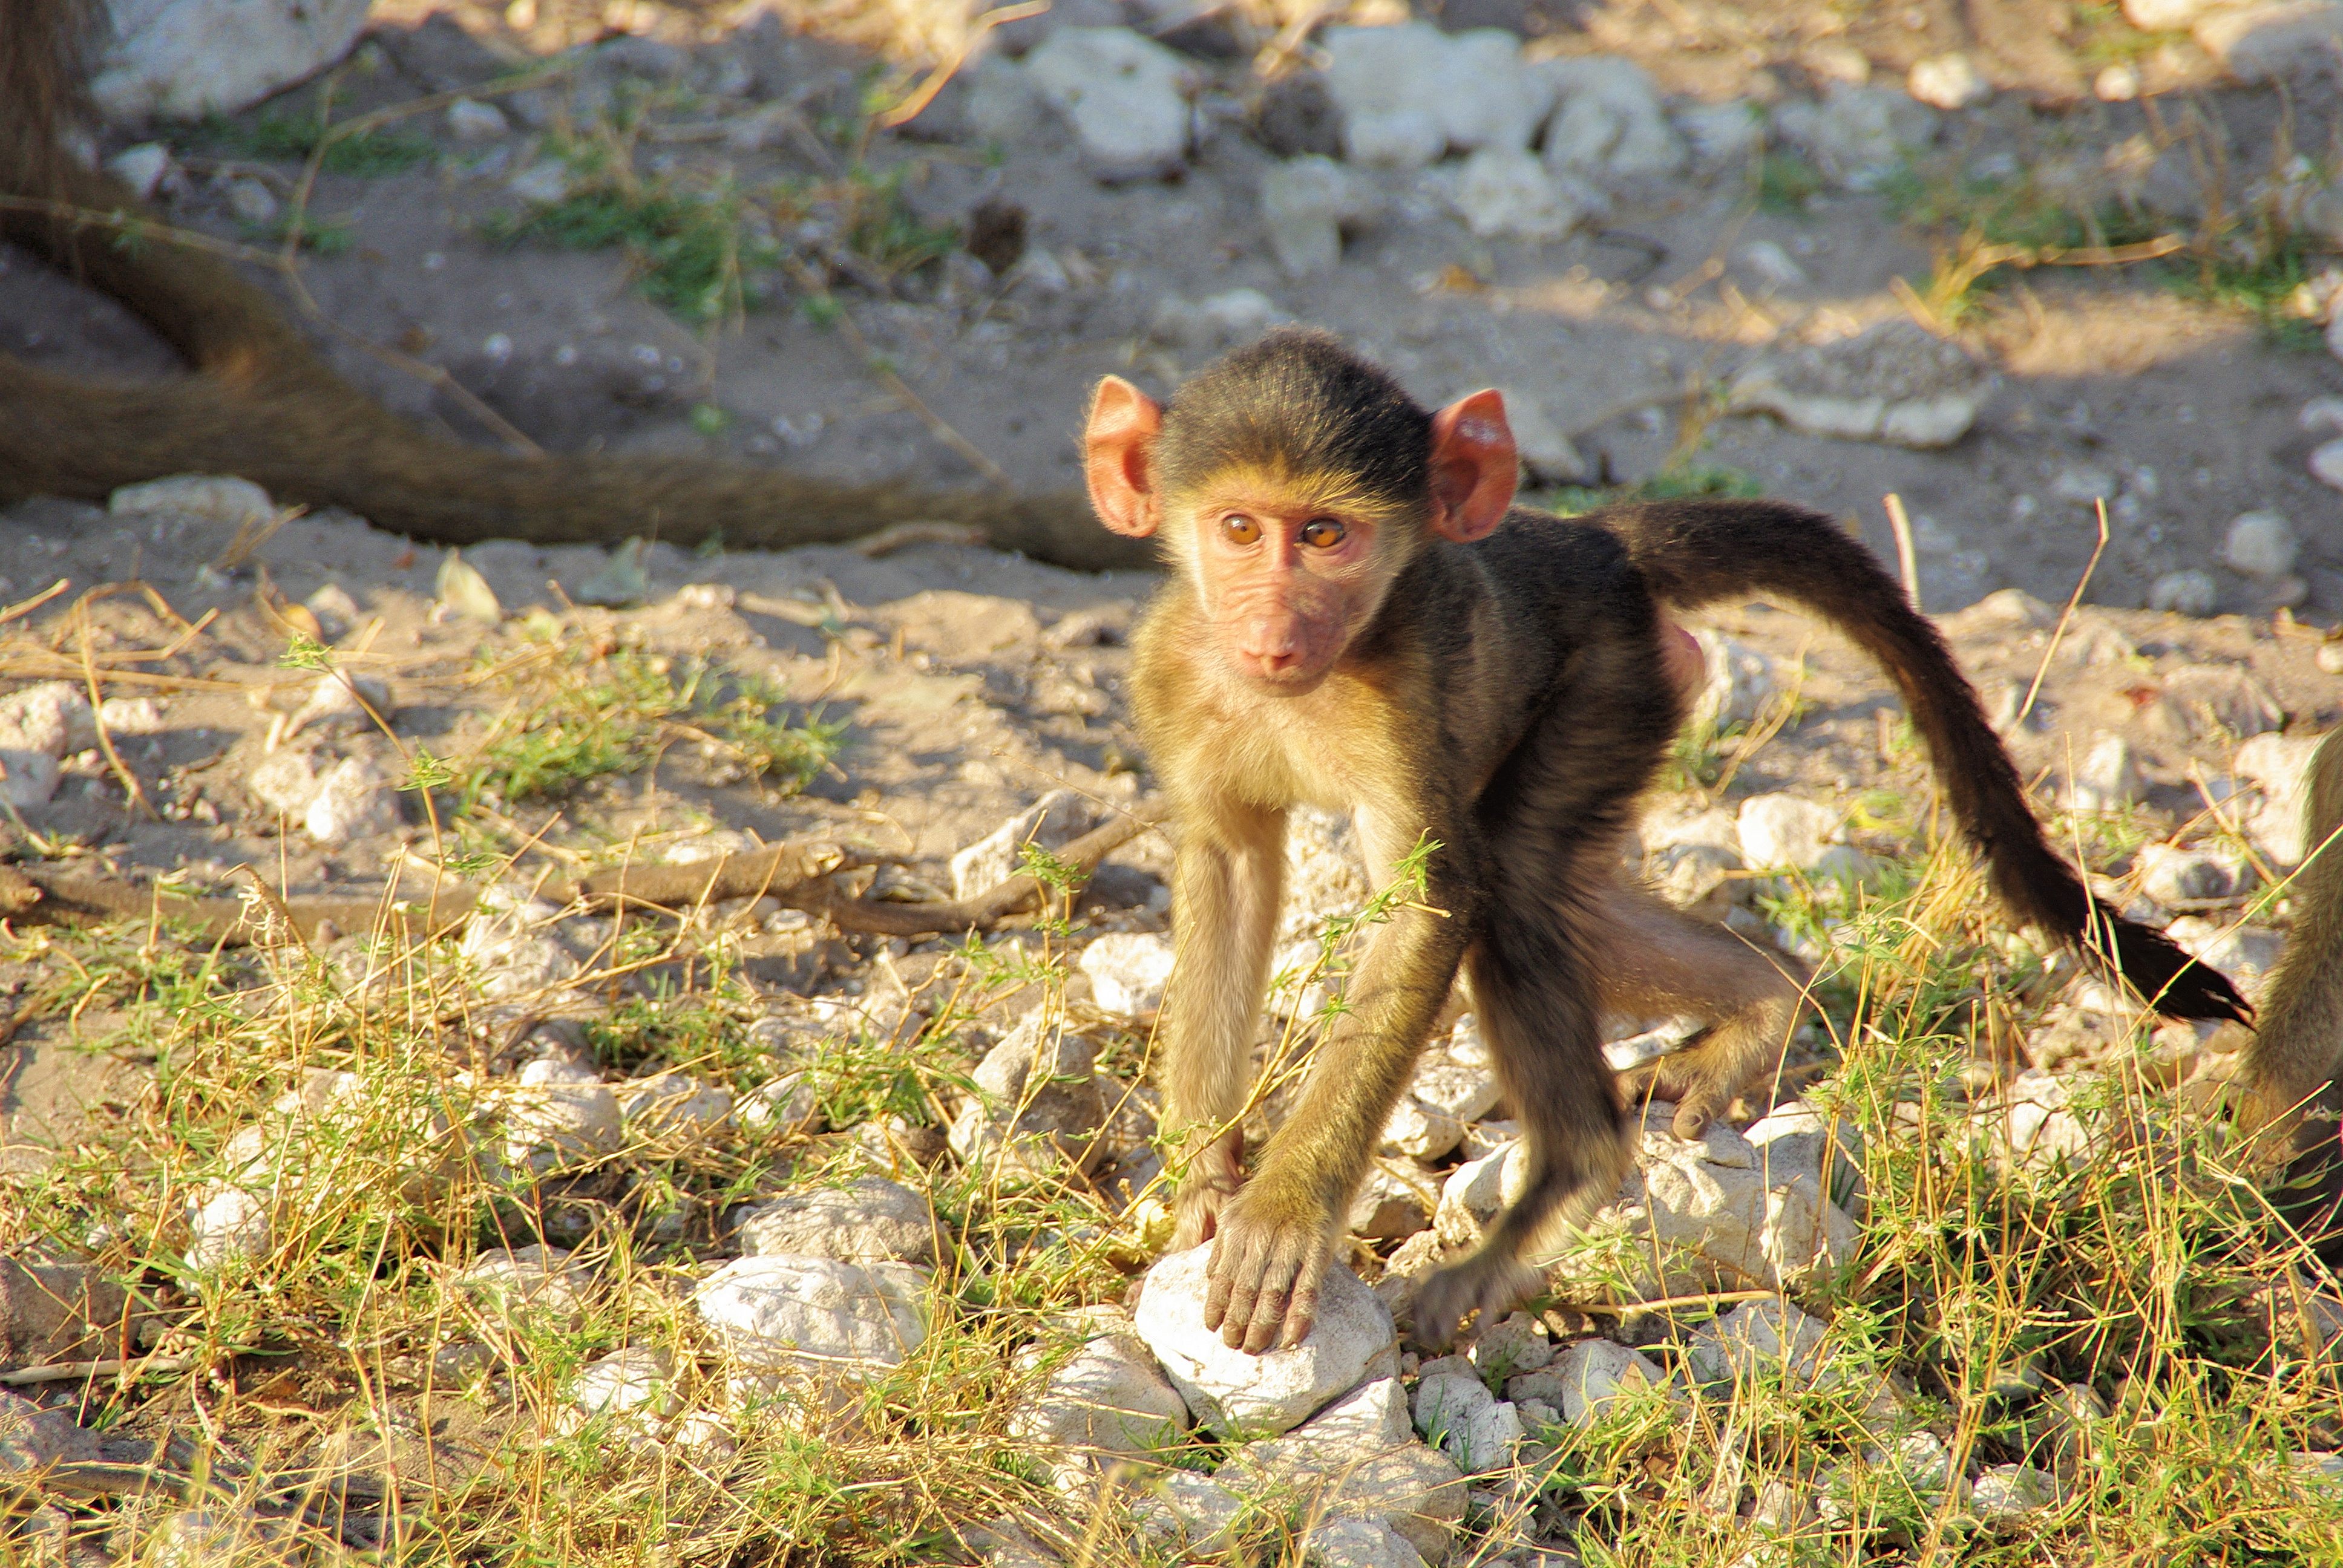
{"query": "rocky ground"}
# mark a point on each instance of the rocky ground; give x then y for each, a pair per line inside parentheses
(784, 1226)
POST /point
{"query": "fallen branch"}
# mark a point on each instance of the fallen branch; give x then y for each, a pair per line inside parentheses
(795, 873)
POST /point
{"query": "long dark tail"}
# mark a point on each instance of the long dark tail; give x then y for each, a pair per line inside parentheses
(1696, 552)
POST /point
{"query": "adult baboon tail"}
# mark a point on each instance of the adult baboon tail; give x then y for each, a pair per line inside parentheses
(1697, 552)
(261, 405)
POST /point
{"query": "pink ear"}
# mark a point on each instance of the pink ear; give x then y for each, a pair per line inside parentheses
(1474, 467)
(1118, 450)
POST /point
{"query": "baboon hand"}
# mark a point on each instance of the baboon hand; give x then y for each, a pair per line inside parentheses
(1491, 1283)
(1265, 1271)
(1212, 1180)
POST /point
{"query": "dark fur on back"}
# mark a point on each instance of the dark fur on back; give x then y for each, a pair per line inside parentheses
(1697, 552)
(1299, 399)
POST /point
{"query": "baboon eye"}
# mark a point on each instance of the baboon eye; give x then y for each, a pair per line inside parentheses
(1239, 530)
(1324, 533)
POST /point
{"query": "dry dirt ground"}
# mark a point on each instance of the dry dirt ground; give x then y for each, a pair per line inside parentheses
(2184, 412)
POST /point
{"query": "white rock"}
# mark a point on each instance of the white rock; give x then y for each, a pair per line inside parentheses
(513, 942)
(28, 778)
(2008, 1493)
(1052, 822)
(1125, 96)
(1108, 1400)
(1478, 1191)
(1794, 1139)
(1542, 445)
(561, 1126)
(1184, 1509)
(230, 1223)
(1772, 266)
(675, 1105)
(38, 725)
(1325, 878)
(141, 167)
(544, 183)
(1386, 1207)
(2272, 39)
(2260, 543)
(2279, 767)
(354, 800)
(1458, 1415)
(1220, 321)
(132, 716)
(184, 59)
(1444, 1097)
(1507, 192)
(1305, 202)
(1757, 1339)
(1416, 1490)
(868, 1220)
(1586, 1378)
(1948, 82)
(791, 1103)
(2326, 460)
(1355, 1542)
(636, 1383)
(1858, 135)
(1127, 972)
(217, 499)
(513, 1285)
(1740, 681)
(1709, 1202)
(1894, 382)
(2108, 779)
(1785, 829)
(1002, 104)
(1232, 1393)
(2162, 15)
(1610, 125)
(815, 1318)
(1723, 135)
(2190, 592)
(252, 202)
(1407, 93)
(469, 120)
(2171, 874)
(2117, 83)
(1374, 1418)
(1037, 1107)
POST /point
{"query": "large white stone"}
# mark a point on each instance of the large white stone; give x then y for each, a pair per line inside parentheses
(1305, 204)
(1586, 1378)
(1457, 1414)
(1052, 822)
(1758, 1338)
(868, 1220)
(539, 1283)
(1610, 125)
(1414, 1489)
(1037, 1106)
(1444, 1098)
(1505, 192)
(1127, 972)
(1108, 1400)
(558, 1126)
(1184, 1509)
(355, 799)
(2260, 543)
(1786, 829)
(184, 59)
(2279, 767)
(1125, 96)
(1709, 1202)
(1234, 1394)
(815, 1316)
(1893, 383)
(1356, 1542)
(1408, 92)
(1796, 1139)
